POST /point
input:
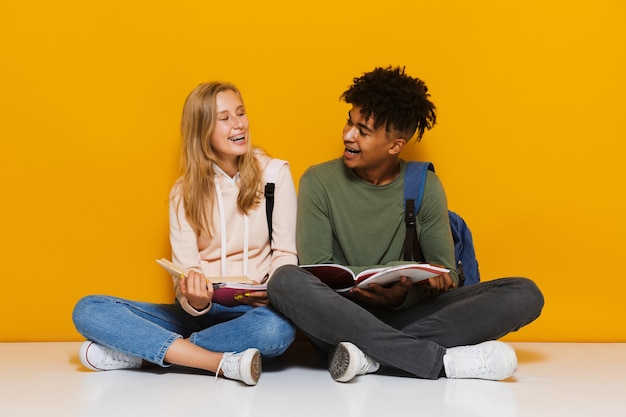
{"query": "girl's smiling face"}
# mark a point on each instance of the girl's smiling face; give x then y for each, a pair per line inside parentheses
(230, 137)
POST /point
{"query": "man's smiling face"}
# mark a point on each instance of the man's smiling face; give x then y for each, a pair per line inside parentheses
(365, 146)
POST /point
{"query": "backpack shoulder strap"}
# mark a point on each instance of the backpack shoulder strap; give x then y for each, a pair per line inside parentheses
(414, 181)
(271, 174)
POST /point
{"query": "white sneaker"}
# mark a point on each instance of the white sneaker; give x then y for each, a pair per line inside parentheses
(348, 361)
(99, 358)
(488, 360)
(244, 366)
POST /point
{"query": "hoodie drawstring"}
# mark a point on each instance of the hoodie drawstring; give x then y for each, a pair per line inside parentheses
(220, 205)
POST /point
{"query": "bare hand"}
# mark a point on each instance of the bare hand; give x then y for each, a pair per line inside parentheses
(441, 283)
(377, 295)
(255, 298)
(197, 289)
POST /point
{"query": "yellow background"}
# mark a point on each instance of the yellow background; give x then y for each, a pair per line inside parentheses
(530, 141)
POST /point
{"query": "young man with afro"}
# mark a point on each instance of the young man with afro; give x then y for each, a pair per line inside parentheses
(351, 212)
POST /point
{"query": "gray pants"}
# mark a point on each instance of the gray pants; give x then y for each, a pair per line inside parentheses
(415, 339)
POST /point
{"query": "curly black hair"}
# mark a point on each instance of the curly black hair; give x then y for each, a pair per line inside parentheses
(395, 99)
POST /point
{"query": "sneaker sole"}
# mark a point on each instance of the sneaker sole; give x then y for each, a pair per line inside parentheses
(254, 364)
(341, 368)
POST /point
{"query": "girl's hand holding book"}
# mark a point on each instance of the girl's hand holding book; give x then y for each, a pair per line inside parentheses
(197, 289)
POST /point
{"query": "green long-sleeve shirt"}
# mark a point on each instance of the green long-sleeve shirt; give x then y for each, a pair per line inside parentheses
(345, 220)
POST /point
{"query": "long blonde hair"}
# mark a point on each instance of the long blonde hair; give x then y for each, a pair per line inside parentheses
(196, 185)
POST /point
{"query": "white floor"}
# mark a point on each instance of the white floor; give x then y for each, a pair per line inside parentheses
(553, 379)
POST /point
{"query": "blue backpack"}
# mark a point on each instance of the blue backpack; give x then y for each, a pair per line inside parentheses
(467, 265)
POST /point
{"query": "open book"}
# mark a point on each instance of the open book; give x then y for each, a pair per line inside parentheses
(227, 290)
(341, 278)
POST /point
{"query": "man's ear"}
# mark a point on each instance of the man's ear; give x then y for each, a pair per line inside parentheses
(396, 146)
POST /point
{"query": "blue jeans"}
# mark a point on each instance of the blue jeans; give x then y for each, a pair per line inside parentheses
(147, 330)
(414, 339)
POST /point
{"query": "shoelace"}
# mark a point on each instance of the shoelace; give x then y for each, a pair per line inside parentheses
(116, 356)
(479, 361)
(229, 367)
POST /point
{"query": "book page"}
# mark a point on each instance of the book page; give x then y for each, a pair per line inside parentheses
(415, 272)
(231, 280)
(177, 270)
(171, 268)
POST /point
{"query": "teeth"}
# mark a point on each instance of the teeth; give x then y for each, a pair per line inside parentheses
(352, 151)
(237, 138)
